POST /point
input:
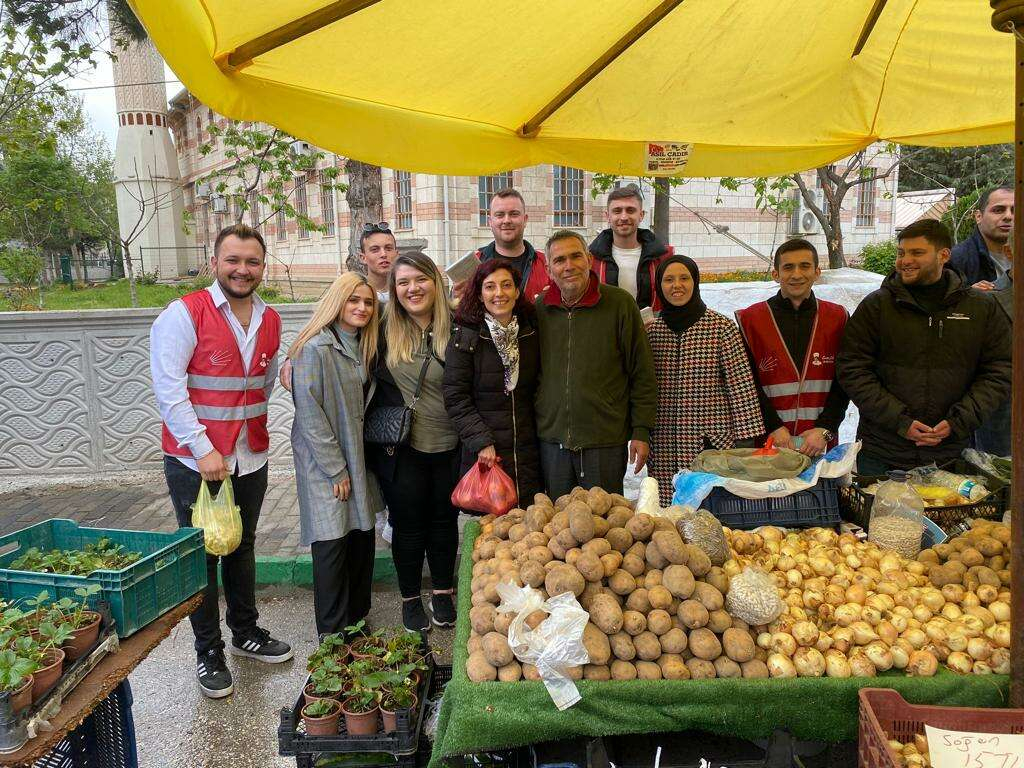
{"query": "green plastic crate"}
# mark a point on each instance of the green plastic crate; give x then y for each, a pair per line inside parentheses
(172, 569)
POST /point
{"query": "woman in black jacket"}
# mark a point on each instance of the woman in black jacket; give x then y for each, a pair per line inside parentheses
(490, 376)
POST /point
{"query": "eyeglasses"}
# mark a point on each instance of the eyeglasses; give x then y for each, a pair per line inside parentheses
(380, 226)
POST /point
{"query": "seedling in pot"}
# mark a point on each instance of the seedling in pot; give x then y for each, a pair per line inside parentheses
(326, 682)
(53, 634)
(361, 698)
(397, 696)
(14, 670)
(320, 708)
(75, 611)
(331, 647)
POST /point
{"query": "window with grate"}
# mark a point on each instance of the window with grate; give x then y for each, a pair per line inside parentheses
(326, 204)
(403, 200)
(866, 199)
(282, 224)
(487, 186)
(254, 209)
(568, 200)
(301, 206)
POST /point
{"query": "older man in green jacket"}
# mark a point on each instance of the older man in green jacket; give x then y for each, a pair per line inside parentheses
(598, 394)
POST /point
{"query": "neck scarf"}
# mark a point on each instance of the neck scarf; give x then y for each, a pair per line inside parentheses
(506, 341)
(679, 319)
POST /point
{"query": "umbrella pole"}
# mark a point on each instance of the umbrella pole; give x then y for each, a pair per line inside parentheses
(1008, 16)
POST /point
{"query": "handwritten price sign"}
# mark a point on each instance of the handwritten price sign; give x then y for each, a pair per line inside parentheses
(958, 749)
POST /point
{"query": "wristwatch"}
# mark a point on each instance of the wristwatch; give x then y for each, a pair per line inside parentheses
(827, 435)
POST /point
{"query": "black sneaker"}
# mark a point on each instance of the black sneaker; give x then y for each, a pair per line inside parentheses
(413, 616)
(212, 674)
(443, 609)
(259, 645)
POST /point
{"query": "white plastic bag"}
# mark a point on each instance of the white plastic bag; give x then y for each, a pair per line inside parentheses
(556, 643)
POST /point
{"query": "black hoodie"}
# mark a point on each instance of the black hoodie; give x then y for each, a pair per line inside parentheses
(651, 250)
(900, 363)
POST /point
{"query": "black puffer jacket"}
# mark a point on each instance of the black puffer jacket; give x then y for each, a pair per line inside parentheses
(899, 364)
(483, 414)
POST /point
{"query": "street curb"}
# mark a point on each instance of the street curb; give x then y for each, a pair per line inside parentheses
(297, 571)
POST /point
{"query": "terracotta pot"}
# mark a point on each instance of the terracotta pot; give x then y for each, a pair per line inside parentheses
(82, 639)
(309, 696)
(22, 697)
(360, 723)
(44, 678)
(322, 726)
(344, 654)
(357, 651)
(390, 719)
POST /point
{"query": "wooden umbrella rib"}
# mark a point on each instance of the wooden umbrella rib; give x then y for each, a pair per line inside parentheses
(869, 25)
(293, 30)
(532, 126)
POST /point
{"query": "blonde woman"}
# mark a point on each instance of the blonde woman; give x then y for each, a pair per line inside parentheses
(417, 478)
(338, 497)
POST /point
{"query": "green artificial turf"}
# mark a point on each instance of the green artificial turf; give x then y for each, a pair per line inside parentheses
(481, 716)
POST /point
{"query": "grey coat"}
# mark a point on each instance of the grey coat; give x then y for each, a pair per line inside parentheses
(327, 442)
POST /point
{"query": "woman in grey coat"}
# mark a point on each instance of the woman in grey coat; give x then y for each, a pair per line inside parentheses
(338, 497)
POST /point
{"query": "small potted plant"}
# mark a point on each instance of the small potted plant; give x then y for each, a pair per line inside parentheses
(85, 624)
(16, 679)
(325, 682)
(393, 697)
(332, 646)
(321, 717)
(52, 636)
(360, 709)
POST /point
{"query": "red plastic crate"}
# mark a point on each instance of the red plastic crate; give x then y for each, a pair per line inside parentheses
(884, 715)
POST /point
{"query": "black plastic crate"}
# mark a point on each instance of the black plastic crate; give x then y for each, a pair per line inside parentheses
(812, 508)
(106, 739)
(857, 503)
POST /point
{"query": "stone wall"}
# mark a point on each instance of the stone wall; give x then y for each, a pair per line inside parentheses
(76, 394)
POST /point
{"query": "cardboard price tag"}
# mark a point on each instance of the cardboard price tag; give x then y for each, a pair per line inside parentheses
(960, 749)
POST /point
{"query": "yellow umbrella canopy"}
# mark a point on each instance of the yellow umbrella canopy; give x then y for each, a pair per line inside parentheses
(746, 87)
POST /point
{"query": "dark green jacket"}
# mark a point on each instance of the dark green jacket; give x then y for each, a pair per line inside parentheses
(898, 363)
(597, 385)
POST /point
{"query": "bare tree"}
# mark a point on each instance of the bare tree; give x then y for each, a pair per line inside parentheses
(365, 200)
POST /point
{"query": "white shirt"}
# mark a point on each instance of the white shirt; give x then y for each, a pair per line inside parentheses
(172, 342)
(628, 259)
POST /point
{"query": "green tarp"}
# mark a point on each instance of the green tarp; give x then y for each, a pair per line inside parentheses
(481, 716)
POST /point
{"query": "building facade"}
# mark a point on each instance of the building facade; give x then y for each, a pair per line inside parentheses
(722, 229)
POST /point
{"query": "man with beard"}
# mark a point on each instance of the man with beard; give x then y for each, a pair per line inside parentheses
(982, 258)
(626, 255)
(213, 358)
(925, 358)
(507, 218)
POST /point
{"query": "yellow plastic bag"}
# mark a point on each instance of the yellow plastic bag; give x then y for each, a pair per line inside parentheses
(219, 518)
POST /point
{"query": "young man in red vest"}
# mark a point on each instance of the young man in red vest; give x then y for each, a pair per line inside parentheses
(213, 357)
(507, 219)
(626, 255)
(793, 339)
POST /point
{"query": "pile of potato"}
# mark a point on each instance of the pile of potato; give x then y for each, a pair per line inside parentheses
(656, 604)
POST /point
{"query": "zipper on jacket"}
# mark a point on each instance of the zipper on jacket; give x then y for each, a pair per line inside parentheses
(568, 370)
(940, 329)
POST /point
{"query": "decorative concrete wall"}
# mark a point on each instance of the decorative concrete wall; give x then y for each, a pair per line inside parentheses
(76, 393)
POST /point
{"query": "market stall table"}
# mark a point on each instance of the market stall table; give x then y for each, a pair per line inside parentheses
(99, 684)
(484, 716)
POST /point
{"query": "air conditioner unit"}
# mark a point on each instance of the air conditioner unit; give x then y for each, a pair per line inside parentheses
(804, 221)
(301, 148)
(202, 190)
(219, 204)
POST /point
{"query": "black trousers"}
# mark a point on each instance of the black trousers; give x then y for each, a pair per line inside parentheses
(422, 518)
(237, 570)
(588, 468)
(342, 578)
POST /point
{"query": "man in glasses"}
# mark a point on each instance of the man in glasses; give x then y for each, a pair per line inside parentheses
(377, 249)
(507, 219)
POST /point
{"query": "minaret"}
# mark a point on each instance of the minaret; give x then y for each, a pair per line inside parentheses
(146, 176)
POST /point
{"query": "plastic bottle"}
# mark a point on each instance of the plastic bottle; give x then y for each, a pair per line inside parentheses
(897, 516)
(965, 486)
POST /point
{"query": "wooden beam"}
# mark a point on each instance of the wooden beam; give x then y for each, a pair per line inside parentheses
(869, 25)
(532, 126)
(293, 30)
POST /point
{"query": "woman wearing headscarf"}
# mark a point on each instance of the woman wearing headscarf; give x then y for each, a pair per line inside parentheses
(706, 395)
(490, 379)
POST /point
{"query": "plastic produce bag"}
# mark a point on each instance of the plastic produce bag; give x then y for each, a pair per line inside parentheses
(219, 518)
(556, 643)
(748, 464)
(485, 489)
(703, 530)
(754, 598)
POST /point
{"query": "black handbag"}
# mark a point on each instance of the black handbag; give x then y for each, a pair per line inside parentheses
(391, 425)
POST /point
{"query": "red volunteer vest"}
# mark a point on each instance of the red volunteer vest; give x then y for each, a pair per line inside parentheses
(798, 396)
(223, 395)
(600, 269)
(537, 279)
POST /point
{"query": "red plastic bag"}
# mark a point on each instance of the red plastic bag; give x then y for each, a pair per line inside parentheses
(485, 489)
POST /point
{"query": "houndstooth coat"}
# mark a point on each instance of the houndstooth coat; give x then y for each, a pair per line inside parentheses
(705, 392)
